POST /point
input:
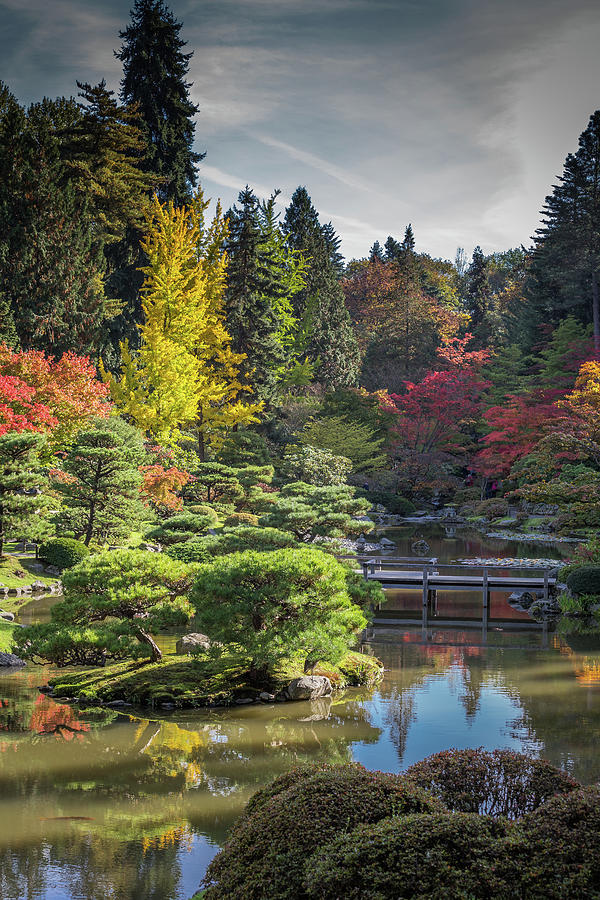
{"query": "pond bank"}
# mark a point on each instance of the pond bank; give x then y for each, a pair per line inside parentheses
(181, 681)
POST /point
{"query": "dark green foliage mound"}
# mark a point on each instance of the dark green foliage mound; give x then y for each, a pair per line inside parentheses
(500, 783)
(241, 518)
(394, 503)
(554, 851)
(584, 580)
(63, 552)
(493, 508)
(447, 857)
(283, 782)
(184, 526)
(268, 849)
(232, 540)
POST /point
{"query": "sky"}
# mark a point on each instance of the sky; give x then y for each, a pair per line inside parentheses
(453, 115)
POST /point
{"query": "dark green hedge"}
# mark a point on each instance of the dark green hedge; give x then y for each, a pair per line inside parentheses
(584, 580)
(63, 552)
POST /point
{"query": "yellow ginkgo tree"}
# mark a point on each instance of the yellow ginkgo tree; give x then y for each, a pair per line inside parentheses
(185, 376)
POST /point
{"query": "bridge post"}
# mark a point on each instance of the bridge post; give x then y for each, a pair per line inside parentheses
(365, 568)
(546, 585)
(486, 593)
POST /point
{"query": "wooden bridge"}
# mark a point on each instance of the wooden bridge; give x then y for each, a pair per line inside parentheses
(428, 577)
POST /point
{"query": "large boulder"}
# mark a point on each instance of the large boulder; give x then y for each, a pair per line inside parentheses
(192, 643)
(309, 687)
(9, 659)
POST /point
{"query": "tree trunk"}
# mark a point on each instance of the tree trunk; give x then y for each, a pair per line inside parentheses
(145, 638)
(596, 312)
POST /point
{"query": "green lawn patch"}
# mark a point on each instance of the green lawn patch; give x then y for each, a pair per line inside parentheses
(6, 633)
(193, 682)
(17, 570)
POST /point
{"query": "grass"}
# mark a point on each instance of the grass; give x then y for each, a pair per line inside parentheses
(6, 633)
(192, 682)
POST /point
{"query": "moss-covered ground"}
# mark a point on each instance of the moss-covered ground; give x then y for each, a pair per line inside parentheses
(198, 681)
(6, 633)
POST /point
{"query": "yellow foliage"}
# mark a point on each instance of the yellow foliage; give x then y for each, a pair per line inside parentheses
(185, 375)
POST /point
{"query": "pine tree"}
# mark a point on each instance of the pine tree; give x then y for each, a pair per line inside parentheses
(51, 260)
(320, 308)
(20, 481)
(100, 496)
(485, 324)
(8, 331)
(264, 276)
(154, 73)
(566, 259)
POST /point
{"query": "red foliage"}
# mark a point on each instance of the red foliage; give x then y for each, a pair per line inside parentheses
(58, 719)
(39, 393)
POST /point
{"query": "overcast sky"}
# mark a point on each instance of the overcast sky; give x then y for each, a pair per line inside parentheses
(455, 115)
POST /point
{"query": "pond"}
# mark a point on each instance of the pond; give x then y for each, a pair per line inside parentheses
(134, 805)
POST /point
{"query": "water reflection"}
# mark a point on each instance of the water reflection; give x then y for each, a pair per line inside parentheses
(96, 804)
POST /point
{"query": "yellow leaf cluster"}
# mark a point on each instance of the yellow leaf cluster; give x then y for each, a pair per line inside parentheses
(185, 375)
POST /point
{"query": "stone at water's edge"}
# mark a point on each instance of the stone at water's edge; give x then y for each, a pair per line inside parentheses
(192, 642)
(309, 687)
(9, 659)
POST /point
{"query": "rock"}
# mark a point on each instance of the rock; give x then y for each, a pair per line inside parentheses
(8, 616)
(38, 586)
(36, 566)
(9, 659)
(115, 704)
(151, 548)
(420, 547)
(309, 687)
(52, 570)
(268, 698)
(242, 701)
(167, 706)
(385, 542)
(192, 642)
(524, 599)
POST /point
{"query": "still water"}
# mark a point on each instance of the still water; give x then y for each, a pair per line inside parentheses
(134, 805)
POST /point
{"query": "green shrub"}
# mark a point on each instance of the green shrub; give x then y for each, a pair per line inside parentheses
(584, 580)
(63, 552)
(241, 518)
(394, 503)
(449, 857)
(554, 852)
(231, 540)
(495, 508)
(268, 848)
(498, 783)
(183, 526)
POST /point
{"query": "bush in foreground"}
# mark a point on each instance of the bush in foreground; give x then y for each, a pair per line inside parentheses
(554, 851)
(450, 857)
(63, 552)
(584, 580)
(268, 848)
(184, 526)
(498, 783)
(232, 540)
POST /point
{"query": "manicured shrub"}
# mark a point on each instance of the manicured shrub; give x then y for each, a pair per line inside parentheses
(394, 503)
(584, 580)
(554, 851)
(494, 508)
(241, 518)
(450, 857)
(283, 782)
(232, 540)
(500, 783)
(267, 849)
(184, 526)
(63, 552)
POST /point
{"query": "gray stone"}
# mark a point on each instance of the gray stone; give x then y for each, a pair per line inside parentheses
(242, 701)
(115, 704)
(10, 617)
(524, 599)
(268, 698)
(385, 542)
(192, 643)
(151, 548)
(9, 659)
(52, 570)
(309, 687)
(38, 586)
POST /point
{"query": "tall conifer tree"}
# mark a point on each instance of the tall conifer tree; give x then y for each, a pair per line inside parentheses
(154, 78)
(320, 306)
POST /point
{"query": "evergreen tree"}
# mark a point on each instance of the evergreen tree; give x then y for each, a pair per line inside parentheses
(154, 79)
(566, 259)
(51, 261)
(485, 322)
(263, 276)
(8, 331)
(20, 481)
(320, 308)
(100, 496)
